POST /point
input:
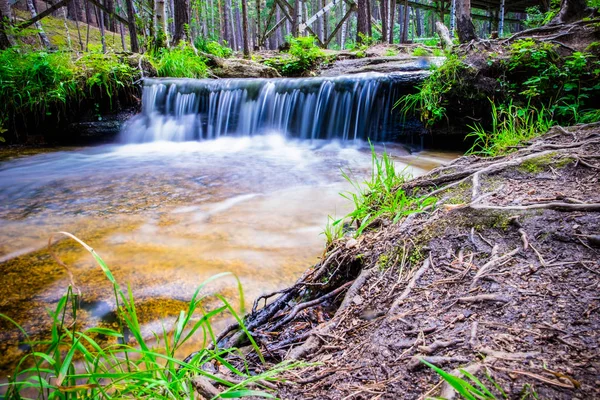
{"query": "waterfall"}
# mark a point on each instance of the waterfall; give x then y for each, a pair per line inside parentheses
(344, 107)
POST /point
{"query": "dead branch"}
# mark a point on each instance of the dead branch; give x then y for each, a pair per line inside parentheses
(436, 345)
(509, 356)
(484, 297)
(394, 307)
(308, 304)
(592, 207)
(492, 263)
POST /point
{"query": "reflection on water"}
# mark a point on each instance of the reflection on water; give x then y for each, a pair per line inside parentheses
(166, 216)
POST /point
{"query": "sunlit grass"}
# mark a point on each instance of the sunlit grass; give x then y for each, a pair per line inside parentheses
(73, 363)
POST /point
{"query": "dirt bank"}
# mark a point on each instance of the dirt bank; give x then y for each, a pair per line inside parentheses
(501, 278)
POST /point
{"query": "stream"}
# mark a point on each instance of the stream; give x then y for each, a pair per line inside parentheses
(212, 176)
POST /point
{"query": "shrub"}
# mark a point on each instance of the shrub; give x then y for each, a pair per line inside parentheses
(304, 55)
(213, 47)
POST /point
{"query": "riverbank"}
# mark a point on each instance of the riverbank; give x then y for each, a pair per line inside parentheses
(501, 278)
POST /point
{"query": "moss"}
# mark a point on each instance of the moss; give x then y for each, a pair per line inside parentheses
(539, 164)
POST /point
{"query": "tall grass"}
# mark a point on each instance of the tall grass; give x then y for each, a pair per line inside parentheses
(511, 126)
(37, 84)
(179, 62)
(73, 363)
(382, 194)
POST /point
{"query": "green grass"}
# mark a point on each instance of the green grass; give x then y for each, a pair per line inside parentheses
(72, 363)
(430, 100)
(420, 52)
(38, 84)
(381, 196)
(179, 62)
(303, 55)
(470, 388)
(511, 127)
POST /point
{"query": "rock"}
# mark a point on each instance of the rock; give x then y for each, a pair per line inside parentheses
(384, 65)
(239, 68)
(351, 243)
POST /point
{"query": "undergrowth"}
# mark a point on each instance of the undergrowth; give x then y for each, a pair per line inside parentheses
(73, 363)
(303, 55)
(40, 83)
(536, 87)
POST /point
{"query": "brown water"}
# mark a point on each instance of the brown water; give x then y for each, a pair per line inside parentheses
(166, 216)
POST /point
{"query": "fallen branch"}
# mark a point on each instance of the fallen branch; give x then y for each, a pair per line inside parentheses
(396, 304)
(484, 297)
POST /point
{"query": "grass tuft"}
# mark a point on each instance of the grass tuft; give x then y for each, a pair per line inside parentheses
(382, 195)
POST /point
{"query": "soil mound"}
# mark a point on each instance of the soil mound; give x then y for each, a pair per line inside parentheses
(501, 278)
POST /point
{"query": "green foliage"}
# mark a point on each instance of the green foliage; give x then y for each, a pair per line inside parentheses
(42, 83)
(179, 62)
(391, 52)
(361, 46)
(304, 55)
(76, 363)
(511, 126)
(382, 196)
(212, 47)
(568, 87)
(470, 388)
(420, 52)
(431, 99)
(537, 18)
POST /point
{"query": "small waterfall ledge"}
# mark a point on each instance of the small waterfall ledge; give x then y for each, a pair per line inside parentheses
(346, 107)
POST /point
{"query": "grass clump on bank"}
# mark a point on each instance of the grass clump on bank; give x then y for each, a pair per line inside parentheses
(73, 363)
(36, 85)
(179, 62)
(381, 196)
(432, 97)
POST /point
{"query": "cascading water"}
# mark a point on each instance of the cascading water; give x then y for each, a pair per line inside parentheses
(344, 107)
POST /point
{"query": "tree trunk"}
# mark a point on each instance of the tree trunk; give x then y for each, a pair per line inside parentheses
(392, 15)
(160, 38)
(133, 40)
(419, 22)
(6, 39)
(444, 35)
(236, 29)
(182, 21)
(363, 24)
(38, 25)
(100, 18)
(384, 20)
(464, 23)
(227, 23)
(406, 12)
(570, 11)
(297, 18)
(245, 38)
